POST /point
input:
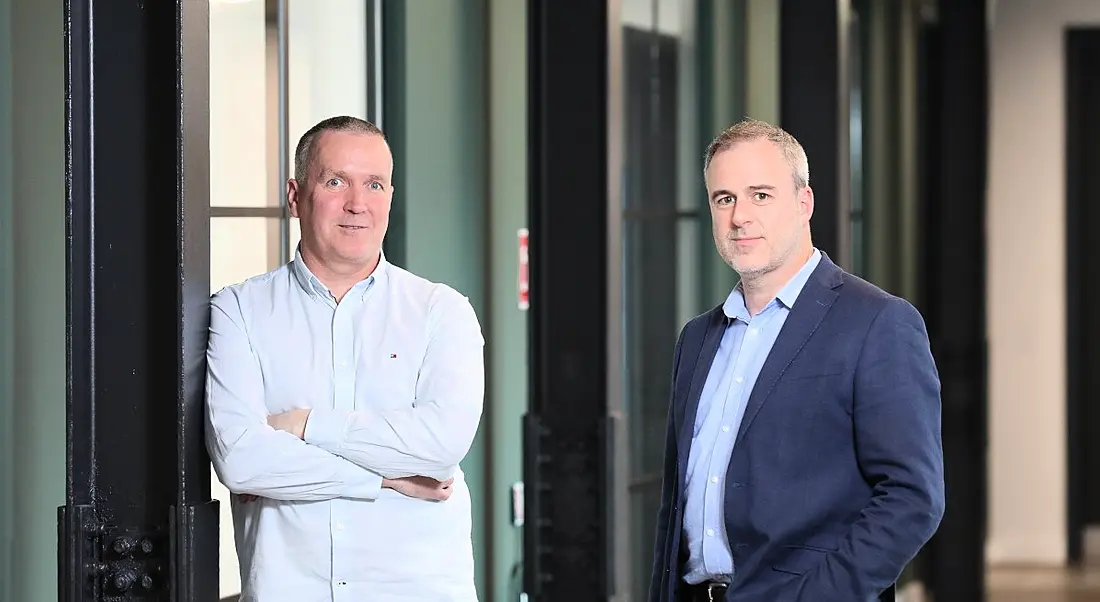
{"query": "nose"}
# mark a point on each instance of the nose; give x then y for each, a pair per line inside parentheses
(355, 200)
(741, 215)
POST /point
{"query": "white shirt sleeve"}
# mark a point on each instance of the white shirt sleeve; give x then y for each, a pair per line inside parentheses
(433, 433)
(248, 455)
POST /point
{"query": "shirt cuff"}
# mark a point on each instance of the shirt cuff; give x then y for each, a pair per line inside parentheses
(325, 428)
(367, 488)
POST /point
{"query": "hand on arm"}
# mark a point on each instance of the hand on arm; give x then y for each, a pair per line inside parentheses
(898, 446)
(430, 435)
(420, 487)
(249, 456)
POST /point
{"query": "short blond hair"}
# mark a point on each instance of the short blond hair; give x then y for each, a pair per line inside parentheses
(748, 130)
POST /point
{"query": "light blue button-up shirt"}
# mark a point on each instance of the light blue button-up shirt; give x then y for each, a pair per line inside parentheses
(741, 354)
(394, 375)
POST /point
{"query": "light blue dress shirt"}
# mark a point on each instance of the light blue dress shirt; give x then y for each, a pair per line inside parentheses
(745, 345)
(394, 375)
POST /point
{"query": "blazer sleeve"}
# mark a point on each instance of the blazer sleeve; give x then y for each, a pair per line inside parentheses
(661, 560)
(899, 449)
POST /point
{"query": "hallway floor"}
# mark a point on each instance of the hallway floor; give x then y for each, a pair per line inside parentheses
(1024, 584)
(1031, 584)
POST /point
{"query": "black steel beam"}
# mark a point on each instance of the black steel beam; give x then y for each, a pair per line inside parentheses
(1082, 51)
(954, 153)
(811, 85)
(138, 523)
(567, 469)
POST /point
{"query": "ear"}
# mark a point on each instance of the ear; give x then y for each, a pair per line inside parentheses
(292, 191)
(806, 203)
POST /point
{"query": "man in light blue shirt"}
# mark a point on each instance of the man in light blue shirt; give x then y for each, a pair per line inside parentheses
(342, 393)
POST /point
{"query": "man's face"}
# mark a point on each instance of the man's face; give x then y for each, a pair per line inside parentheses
(344, 203)
(759, 219)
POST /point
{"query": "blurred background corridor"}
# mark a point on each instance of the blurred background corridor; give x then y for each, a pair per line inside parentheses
(548, 165)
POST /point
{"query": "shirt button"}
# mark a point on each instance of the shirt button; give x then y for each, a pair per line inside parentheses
(339, 526)
(714, 479)
(725, 429)
(341, 583)
(710, 532)
(738, 379)
(752, 331)
(344, 363)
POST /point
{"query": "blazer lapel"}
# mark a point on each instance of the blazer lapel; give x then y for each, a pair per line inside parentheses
(715, 327)
(813, 303)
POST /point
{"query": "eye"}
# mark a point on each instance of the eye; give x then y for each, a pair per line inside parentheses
(726, 200)
(334, 182)
(760, 196)
(376, 185)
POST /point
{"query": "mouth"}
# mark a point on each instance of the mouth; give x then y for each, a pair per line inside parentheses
(353, 228)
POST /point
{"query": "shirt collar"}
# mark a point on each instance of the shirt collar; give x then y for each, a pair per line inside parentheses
(312, 285)
(735, 307)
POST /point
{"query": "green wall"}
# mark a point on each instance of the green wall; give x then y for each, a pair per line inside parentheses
(33, 277)
(455, 112)
(507, 323)
(435, 115)
(7, 276)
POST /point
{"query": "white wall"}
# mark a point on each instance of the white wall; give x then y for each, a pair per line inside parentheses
(1026, 284)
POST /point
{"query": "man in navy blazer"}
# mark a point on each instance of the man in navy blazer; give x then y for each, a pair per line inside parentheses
(803, 460)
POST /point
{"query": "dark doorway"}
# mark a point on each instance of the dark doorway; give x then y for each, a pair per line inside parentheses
(953, 140)
(1082, 286)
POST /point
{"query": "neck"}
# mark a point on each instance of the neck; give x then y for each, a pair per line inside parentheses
(762, 288)
(338, 278)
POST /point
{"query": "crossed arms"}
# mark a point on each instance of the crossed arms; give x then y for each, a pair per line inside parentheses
(344, 454)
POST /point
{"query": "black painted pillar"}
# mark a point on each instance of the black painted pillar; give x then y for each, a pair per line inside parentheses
(138, 523)
(567, 450)
(813, 107)
(954, 126)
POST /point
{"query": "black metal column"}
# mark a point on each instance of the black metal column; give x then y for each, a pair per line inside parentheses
(813, 97)
(954, 126)
(567, 455)
(138, 523)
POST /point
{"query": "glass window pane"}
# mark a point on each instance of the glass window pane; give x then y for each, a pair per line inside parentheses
(327, 63)
(243, 106)
(240, 247)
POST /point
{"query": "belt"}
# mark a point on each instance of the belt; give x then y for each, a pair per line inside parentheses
(710, 591)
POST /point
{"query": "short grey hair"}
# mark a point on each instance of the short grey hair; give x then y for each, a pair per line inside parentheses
(303, 154)
(749, 130)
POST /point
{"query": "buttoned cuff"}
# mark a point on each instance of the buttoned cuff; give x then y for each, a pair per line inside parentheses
(325, 428)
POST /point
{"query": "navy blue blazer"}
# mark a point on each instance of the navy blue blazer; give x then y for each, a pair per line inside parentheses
(836, 478)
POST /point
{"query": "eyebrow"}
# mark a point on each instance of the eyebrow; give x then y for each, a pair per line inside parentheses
(343, 174)
(754, 188)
